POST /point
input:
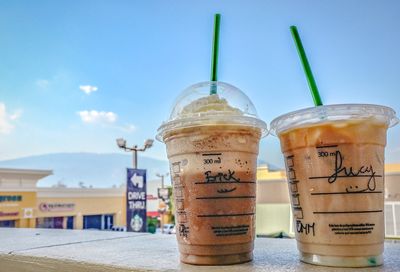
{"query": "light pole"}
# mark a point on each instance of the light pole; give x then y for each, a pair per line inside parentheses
(164, 209)
(162, 178)
(121, 142)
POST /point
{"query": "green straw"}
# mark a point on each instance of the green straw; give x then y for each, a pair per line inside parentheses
(214, 60)
(306, 67)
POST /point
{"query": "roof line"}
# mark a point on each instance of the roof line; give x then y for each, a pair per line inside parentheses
(26, 171)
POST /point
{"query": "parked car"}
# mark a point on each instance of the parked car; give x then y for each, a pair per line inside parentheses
(169, 229)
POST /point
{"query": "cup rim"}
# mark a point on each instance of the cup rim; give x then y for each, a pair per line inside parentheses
(334, 112)
(204, 120)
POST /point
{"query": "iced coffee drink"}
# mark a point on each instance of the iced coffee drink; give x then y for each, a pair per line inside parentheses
(334, 158)
(212, 145)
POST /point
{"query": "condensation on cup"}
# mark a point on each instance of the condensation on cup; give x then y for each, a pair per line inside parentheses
(334, 158)
(212, 145)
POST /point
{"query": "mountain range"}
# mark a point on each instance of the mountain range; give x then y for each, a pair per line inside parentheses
(90, 169)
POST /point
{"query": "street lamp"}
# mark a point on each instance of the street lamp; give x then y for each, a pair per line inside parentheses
(122, 144)
(162, 210)
(162, 178)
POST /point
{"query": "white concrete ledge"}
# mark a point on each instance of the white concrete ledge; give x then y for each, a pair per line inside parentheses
(73, 250)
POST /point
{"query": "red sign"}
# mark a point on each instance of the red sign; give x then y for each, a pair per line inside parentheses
(2, 214)
(152, 214)
(151, 197)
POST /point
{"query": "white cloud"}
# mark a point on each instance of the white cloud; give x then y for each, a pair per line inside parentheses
(16, 115)
(94, 116)
(87, 89)
(6, 120)
(42, 83)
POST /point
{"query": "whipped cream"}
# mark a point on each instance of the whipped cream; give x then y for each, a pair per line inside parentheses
(211, 103)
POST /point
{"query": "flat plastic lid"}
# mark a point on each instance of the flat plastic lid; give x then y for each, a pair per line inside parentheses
(195, 106)
(337, 112)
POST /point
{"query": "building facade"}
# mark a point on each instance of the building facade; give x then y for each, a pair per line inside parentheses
(80, 208)
(18, 197)
(274, 214)
(392, 200)
(24, 205)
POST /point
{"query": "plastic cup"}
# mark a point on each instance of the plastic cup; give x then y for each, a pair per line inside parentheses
(212, 146)
(334, 158)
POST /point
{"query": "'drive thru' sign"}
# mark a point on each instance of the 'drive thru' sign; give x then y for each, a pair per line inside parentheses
(136, 200)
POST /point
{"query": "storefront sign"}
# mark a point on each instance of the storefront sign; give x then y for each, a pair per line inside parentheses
(151, 197)
(28, 213)
(56, 207)
(3, 214)
(136, 200)
(10, 198)
(164, 194)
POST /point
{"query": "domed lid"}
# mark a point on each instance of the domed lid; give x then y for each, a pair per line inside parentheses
(195, 106)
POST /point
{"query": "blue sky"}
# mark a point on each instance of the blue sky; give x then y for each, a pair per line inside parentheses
(134, 57)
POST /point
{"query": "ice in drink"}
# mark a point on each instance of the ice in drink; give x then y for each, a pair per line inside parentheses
(334, 158)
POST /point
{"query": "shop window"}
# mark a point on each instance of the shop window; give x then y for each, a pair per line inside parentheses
(7, 224)
(99, 221)
(392, 219)
(70, 222)
(108, 221)
(92, 221)
(50, 222)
